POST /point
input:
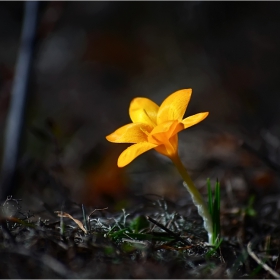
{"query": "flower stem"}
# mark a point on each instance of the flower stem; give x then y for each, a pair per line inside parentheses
(196, 197)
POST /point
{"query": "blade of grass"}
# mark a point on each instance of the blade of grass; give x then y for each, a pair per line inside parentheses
(177, 236)
(85, 218)
(216, 212)
(214, 208)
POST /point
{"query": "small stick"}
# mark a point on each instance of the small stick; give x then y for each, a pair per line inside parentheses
(176, 235)
(85, 218)
(261, 263)
(101, 209)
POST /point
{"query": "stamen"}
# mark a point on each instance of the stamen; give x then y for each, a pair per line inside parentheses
(150, 118)
(145, 131)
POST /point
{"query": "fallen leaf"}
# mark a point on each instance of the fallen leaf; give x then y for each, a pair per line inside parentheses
(66, 215)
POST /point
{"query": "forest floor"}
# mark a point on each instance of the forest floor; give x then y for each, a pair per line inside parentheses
(152, 238)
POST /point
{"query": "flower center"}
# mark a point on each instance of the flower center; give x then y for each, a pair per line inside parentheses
(165, 136)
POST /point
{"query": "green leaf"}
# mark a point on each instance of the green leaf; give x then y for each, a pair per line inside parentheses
(214, 208)
(138, 224)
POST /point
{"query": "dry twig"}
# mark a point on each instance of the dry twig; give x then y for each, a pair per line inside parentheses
(260, 262)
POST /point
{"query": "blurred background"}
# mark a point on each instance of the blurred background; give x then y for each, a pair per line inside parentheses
(92, 58)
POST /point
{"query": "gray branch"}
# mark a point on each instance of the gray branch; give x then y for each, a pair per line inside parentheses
(16, 114)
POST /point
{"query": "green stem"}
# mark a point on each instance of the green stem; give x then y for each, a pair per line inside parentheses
(196, 197)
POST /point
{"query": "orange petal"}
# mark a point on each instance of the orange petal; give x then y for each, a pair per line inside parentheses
(143, 110)
(163, 132)
(130, 133)
(171, 149)
(132, 152)
(174, 106)
(194, 119)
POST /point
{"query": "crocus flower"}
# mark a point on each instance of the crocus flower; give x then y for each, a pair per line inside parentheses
(157, 127)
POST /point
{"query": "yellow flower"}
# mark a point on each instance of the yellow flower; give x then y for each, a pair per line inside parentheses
(155, 127)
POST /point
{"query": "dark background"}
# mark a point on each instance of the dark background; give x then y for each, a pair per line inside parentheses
(92, 58)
